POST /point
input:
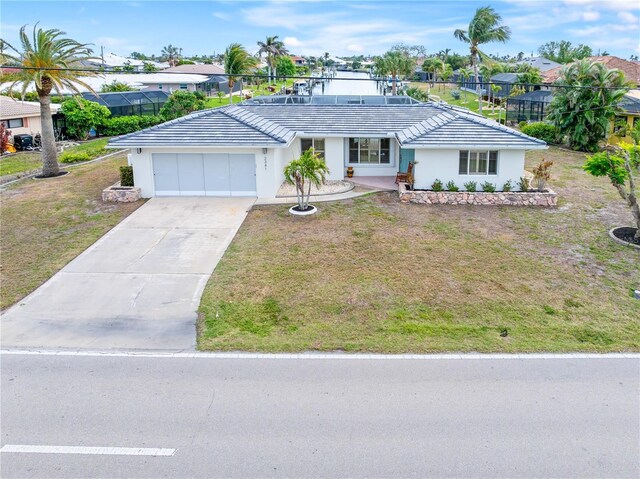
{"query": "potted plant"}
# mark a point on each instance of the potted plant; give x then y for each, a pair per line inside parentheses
(309, 169)
(349, 171)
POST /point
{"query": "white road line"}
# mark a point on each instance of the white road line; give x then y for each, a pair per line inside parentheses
(317, 356)
(111, 451)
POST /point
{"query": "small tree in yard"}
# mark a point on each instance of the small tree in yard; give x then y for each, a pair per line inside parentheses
(309, 169)
(622, 166)
(82, 115)
(181, 103)
(541, 174)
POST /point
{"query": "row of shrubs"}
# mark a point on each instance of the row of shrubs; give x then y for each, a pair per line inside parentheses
(523, 184)
(121, 125)
(541, 130)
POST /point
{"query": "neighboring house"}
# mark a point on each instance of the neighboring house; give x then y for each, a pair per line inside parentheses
(168, 82)
(241, 150)
(631, 69)
(627, 119)
(22, 117)
(111, 61)
(506, 82)
(541, 63)
(298, 61)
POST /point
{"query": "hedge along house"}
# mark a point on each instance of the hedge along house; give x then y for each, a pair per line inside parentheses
(241, 150)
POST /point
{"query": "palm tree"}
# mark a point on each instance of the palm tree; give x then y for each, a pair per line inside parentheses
(273, 48)
(48, 58)
(433, 65)
(446, 72)
(529, 77)
(311, 169)
(464, 74)
(394, 63)
(484, 28)
(170, 55)
(237, 62)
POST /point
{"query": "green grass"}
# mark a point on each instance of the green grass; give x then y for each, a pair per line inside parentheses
(215, 102)
(467, 99)
(47, 223)
(25, 161)
(371, 274)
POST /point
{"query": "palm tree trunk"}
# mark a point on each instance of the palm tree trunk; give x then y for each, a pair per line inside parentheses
(49, 153)
(474, 60)
(230, 92)
(393, 85)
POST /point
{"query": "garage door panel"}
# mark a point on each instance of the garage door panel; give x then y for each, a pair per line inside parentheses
(191, 175)
(165, 173)
(216, 174)
(242, 174)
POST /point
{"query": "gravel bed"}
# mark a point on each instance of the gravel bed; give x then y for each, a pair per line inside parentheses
(331, 187)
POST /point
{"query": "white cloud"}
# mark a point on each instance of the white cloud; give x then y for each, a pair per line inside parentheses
(222, 16)
(590, 15)
(355, 48)
(292, 42)
(628, 17)
(618, 5)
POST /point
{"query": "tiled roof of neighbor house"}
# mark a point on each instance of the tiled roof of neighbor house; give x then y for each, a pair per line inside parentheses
(631, 69)
(630, 104)
(505, 77)
(429, 125)
(10, 108)
(541, 63)
(204, 69)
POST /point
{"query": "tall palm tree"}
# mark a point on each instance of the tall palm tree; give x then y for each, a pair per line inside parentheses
(273, 48)
(237, 62)
(47, 58)
(171, 55)
(484, 28)
(464, 74)
(395, 63)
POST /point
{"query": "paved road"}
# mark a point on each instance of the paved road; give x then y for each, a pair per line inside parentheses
(137, 287)
(323, 417)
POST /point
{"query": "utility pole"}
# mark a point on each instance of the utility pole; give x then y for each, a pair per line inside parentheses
(102, 54)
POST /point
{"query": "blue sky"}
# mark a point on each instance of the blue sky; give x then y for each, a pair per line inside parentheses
(313, 27)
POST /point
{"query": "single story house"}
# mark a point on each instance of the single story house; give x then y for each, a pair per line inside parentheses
(22, 117)
(242, 150)
(111, 61)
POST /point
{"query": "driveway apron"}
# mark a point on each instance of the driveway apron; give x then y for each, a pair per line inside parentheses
(138, 287)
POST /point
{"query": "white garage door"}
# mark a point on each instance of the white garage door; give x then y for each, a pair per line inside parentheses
(210, 174)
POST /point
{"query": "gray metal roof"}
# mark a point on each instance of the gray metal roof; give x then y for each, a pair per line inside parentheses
(541, 63)
(630, 104)
(505, 77)
(276, 124)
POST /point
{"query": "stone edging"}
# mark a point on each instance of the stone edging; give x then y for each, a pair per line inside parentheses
(513, 198)
(619, 241)
(116, 194)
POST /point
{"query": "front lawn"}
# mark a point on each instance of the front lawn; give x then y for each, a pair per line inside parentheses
(371, 274)
(47, 223)
(24, 161)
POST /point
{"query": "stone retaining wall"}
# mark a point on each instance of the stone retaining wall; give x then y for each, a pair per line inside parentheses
(121, 194)
(518, 198)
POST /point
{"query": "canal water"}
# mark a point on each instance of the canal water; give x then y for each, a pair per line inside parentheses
(348, 83)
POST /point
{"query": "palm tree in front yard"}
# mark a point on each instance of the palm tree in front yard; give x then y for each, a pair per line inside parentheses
(47, 59)
(237, 62)
(309, 169)
(484, 28)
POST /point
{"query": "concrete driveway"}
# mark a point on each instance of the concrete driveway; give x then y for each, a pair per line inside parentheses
(137, 287)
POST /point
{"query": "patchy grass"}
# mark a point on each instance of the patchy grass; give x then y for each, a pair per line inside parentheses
(24, 161)
(47, 223)
(260, 90)
(371, 274)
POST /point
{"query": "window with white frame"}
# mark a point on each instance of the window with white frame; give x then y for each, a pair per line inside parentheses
(13, 123)
(316, 143)
(478, 162)
(376, 151)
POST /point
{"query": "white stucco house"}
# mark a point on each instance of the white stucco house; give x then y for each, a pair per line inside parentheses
(241, 150)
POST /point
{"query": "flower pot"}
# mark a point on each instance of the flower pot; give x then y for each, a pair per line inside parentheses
(350, 172)
(294, 210)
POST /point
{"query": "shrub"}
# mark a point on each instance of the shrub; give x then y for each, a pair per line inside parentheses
(437, 185)
(451, 186)
(470, 186)
(524, 184)
(541, 130)
(74, 156)
(542, 174)
(5, 136)
(488, 187)
(82, 115)
(522, 124)
(455, 94)
(126, 176)
(182, 103)
(121, 125)
(508, 186)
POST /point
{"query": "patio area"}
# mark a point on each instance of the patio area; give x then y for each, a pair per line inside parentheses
(383, 183)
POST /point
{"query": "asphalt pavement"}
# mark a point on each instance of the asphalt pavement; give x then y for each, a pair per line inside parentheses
(207, 416)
